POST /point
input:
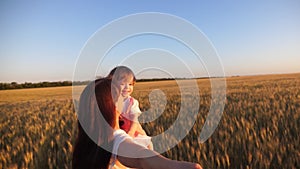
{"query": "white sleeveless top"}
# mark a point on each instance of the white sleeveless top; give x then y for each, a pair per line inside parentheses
(119, 137)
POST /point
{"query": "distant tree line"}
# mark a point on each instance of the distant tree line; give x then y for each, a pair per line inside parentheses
(160, 79)
(15, 85)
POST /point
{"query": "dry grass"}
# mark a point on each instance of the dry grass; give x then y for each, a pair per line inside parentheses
(35, 94)
(259, 128)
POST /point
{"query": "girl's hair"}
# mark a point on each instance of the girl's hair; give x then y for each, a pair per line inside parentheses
(96, 120)
(121, 72)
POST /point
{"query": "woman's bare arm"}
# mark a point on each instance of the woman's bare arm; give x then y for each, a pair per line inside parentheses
(135, 156)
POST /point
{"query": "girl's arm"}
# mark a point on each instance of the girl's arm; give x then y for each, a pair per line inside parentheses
(133, 128)
(135, 156)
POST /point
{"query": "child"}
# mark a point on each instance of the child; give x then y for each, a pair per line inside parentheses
(125, 79)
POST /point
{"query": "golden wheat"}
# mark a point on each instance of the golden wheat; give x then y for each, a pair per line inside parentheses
(259, 128)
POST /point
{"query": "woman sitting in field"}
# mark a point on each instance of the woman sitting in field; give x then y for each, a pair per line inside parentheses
(101, 142)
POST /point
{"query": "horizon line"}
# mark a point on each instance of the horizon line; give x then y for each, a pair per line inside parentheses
(158, 78)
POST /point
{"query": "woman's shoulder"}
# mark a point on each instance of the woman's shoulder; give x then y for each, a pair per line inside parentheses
(120, 135)
(119, 132)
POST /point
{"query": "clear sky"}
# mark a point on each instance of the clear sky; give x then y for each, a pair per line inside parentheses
(41, 40)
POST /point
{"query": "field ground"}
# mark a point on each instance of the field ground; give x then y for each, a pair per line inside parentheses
(259, 128)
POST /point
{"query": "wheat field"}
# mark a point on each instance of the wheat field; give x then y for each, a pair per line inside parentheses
(259, 128)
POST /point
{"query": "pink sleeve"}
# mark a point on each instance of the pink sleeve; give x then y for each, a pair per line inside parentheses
(135, 109)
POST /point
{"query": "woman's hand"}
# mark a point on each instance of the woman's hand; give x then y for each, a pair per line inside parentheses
(185, 165)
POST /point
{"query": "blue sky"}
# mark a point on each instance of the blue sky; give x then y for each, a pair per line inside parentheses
(41, 40)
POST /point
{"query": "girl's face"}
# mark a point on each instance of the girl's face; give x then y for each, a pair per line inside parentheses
(126, 86)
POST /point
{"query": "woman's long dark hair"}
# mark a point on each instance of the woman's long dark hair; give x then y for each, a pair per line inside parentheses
(94, 141)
